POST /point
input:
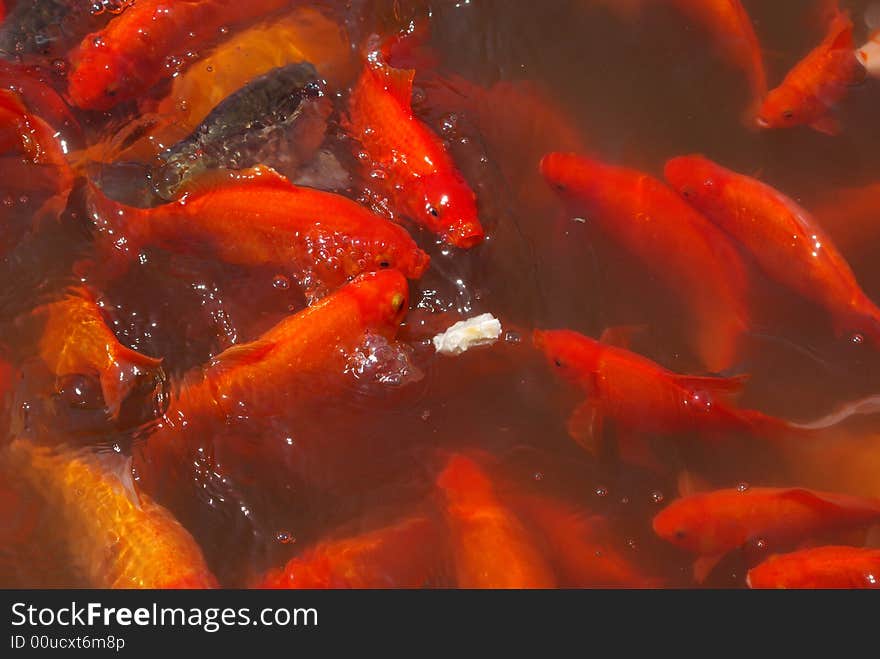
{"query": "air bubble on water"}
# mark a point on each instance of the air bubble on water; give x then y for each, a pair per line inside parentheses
(632, 544)
(857, 339)
(761, 543)
(624, 500)
(379, 360)
(657, 496)
(209, 69)
(59, 66)
(281, 282)
(742, 487)
(538, 476)
(601, 491)
(425, 415)
(512, 337)
(285, 537)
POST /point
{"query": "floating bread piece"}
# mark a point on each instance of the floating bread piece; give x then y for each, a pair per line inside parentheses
(466, 334)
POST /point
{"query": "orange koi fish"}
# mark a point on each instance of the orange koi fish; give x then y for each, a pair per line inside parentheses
(642, 398)
(113, 539)
(419, 176)
(75, 340)
(820, 567)
(257, 218)
(731, 30)
(680, 247)
(491, 547)
(398, 556)
(711, 524)
(147, 43)
(816, 84)
(284, 369)
(581, 546)
(782, 237)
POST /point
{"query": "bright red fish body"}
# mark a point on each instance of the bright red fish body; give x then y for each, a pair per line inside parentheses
(418, 175)
(324, 239)
(642, 398)
(781, 236)
(490, 545)
(819, 567)
(397, 556)
(711, 524)
(137, 49)
(679, 246)
(816, 84)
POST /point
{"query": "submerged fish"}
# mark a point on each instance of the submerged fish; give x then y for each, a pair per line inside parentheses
(75, 340)
(259, 218)
(819, 567)
(692, 258)
(418, 174)
(782, 237)
(50, 27)
(490, 545)
(147, 44)
(641, 398)
(114, 538)
(278, 119)
(712, 524)
(816, 84)
(402, 555)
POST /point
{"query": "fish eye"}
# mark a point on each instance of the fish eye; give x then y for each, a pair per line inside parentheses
(788, 114)
(680, 535)
(384, 263)
(433, 211)
(560, 186)
(558, 362)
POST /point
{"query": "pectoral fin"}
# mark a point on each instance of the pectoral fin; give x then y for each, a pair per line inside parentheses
(827, 125)
(704, 565)
(585, 427)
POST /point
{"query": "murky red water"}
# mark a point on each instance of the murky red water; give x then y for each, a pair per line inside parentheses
(564, 75)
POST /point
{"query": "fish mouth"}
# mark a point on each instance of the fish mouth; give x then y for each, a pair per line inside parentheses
(761, 122)
(465, 234)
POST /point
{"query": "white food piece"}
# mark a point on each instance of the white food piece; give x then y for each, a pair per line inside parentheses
(869, 55)
(466, 334)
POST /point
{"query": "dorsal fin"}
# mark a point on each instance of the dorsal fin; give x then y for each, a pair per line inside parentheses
(690, 483)
(261, 175)
(719, 386)
(832, 501)
(840, 33)
(241, 355)
(620, 336)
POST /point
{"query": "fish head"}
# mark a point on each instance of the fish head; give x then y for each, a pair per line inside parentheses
(695, 178)
(382, 298)
(681, 524)
(397, 251)
(97, 74)
(573, 356)
(781, 109)
(447, 206)
(572, 177)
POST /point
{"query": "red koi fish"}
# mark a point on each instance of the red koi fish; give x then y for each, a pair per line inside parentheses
(782, 237)
(731, 30)
(712, 524)
(260, 218)
(31, 84)
(680, 247)
(398, 556)
(75, 340)
(820, 567)
(581, 546)
(147, 44)
(282, 369)
(32, 168)
(816, 84)
(420, 178)
(114, 538)
(642, 398)
(490, 546)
